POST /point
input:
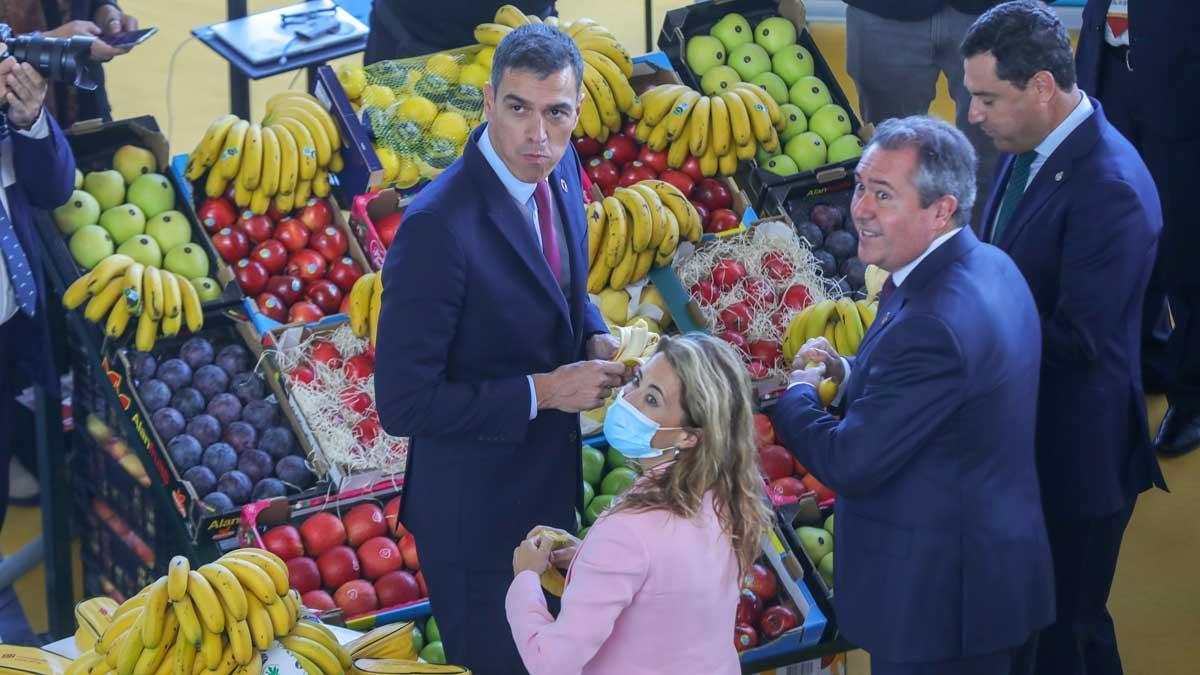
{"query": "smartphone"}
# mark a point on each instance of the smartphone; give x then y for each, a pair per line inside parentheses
(128, 39)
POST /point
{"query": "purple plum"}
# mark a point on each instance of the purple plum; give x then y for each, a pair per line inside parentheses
(261, 415)
(219, 502)
(237, 485)
(268, 488)
(143, 366)
(219, 458)
(246, 386)
(202, 479)
(225, 407)
(277, 441)
(189, 402)
(234, 359)
(197, 352)
(210, 380)
(205, 428)
(241, 436)
(185, 451)
(255, 463)
(294, 470)
(175, 373)
(168, 422)
(155, 394)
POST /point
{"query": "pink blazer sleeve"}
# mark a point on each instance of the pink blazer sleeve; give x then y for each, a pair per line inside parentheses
(608, 571)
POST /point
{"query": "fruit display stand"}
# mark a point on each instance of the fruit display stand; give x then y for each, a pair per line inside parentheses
(362, 171)
(374, 218)
(698, 19)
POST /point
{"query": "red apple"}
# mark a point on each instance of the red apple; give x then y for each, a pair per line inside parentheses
(329, 241)
(775, 462)
(680, 180)
(408, 549)
(230, 193)
(258, 228)
(379, 555)
(316, 215)
(344, 272)
(251, 276)
(758, 370)
(355, 399)
(386, 228)
(796, 298)
(307, 265)
(758, 292)
(216, 214)
(275, 214)
(736, 339)
(344, 308)
(587, 147)
(232, 244)
(620, 150)
(321, 532)
(359, 367)
(318, 600)
(326, 353)
(397, 588)
(744, 637)
(762, 581)
(630, 128)
(702, 210)
(721, 220)
(283, 541)
(302, 373)
(766, 352)
(324, 294)
(602, 172)
(705, 291)
(788, 486)
(727, 273)
(271, 306)
(292, 234)
(421, 583)
(272, 255)
(356, 597)
(338, 565)
(305, 312)
(654, 160)
(764, 431)
(366, 431)
(823, 493)
(776, 621)
(749, 607)
(391, 515)
(799, 468)
(636, 172)
(287, 288)
(303, 574)
(691, 166)
(736, 317)
(777, 266)
(714, 194)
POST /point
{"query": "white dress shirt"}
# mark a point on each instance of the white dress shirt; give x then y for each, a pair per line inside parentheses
(8, 176)
(1050, 143)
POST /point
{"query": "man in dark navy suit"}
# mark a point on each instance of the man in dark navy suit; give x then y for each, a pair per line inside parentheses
(1141, 60)
(942, 565)
(489, 346)
(1075, 207)
(37, 170)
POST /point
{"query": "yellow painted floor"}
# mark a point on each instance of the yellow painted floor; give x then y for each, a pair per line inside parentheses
(1156, 598)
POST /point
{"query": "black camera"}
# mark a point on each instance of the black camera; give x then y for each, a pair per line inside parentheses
(66, 60)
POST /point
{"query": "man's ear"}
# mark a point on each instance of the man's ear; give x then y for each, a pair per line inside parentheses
(944, 210)
(489, 98)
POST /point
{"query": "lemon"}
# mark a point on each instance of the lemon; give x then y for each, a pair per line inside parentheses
(377, 96)
(474, 75)
(418, 109)
(390, 162)
(484, 57)
(408, 174)
(450, 126)
(444, 65)
(353, 79)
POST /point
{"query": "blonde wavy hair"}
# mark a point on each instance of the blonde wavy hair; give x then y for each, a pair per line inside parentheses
(717, 402)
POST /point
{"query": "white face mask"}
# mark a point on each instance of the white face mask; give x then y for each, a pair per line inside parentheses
(631, 432)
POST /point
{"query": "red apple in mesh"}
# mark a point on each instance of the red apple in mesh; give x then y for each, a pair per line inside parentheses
(713, 194)
(324, 294)
(355, 399)
(386, 228)
(318, 600)
(284, 541)
(272, 255)
(326, 353)
(271, 306)
(775, 461)
(620, 150)
(764, 431)
(307, 265)
(691, 166)
(251, 276)
(258, 228)
(776, 621)
(338, 565)
(762, 581)
(391, 515)
(796, 298)
(321, 532)
(289, 289)
(316, 215)
(636, 172)
(602, 172)
(705, 291)
(364, 522)
(736, 339)
(679, 179)
(736, 317)
(292, 234)
(356, 597)
(232, 244)
(749, 607)
(758, 370)
(304, 312)
(788, 486)
(721, 220)
(727, 273)
(408, 550)
(378, 556)
(302, 373)
(329, 241)
(654, 160)
(587, 147)
(366, 431)
(758, 292)
(344, 272)
(766, 352)
(359, 367)
(777, 267)
(216, 214)
(744, 637)
(303, 574)
(397, 588)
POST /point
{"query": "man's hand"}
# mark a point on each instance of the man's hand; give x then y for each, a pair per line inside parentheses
(602, 347)
(101, 50)
(24, 90)
(111, 20)
(560, 557)
(576, 387)
(818, 350)
(532, 555)
(811, 376)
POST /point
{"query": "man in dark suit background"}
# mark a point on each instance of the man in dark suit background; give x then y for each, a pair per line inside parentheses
(1141, 59)
(405, 28)
(1075, 207)
(942, 564)
(485, 321)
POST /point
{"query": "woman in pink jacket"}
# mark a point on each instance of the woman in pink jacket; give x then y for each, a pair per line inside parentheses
(654, 588)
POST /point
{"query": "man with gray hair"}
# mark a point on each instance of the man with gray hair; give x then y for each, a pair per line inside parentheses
(489, 347)
(942, 564)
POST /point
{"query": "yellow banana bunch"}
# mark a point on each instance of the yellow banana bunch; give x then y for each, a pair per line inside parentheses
(404, 667)
(93, 617)
(843, 322)
(635, 229)
(361, 298)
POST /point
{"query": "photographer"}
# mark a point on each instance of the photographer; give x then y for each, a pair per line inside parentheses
(37, 170)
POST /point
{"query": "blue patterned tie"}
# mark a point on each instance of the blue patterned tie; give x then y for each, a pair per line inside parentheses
(19, 273)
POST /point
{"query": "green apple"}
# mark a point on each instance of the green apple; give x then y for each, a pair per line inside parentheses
(781, 165)
(169, 229)
(614, 459)
(732, 30)
(123, 221)
(588, 493)
(187, 259)
(774, 86)
(829, 524)
(749, 60)
(432, 634)
(792, 63)
(583, 533)
(817, 543)
(142, 249)
(807, 150)
(718, 80)
(809, 94)
(844, 148)
(131, 161)
(704, 52)
(825, 567)
(593, 465)
(90, 244)
(81, 209)
(762, 156)
(78, 179)
(618, 480)
(108, 187)
(796, 120)
(207, 289)
(600, 504)
(152, 192)
(775, 33)
(434, 653)
(418, 639)
(830, 122)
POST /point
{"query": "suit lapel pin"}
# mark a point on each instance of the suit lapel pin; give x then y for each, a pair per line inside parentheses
(886, 318)
(1058, 176)
(562, 182)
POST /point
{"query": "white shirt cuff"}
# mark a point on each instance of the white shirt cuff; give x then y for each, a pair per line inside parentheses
(532, 398)
(797, 384)
(837, 398)
(40, 128)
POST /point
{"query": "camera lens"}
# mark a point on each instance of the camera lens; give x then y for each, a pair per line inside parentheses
(58, 60)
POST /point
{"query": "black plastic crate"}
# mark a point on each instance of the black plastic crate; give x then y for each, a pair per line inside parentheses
(796, 201)
(685, 22)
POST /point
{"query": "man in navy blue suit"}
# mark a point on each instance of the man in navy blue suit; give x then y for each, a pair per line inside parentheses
(38, 171)
(942, 564)
(489, 346)
(1075, 207)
